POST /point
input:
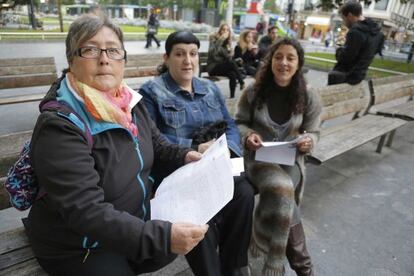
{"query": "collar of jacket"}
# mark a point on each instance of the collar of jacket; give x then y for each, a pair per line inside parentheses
(172, 86)
(64, 94)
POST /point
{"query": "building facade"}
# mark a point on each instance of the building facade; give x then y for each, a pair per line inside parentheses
(396, 19)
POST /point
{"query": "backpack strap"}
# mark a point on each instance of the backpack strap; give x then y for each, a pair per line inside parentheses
(65, 111)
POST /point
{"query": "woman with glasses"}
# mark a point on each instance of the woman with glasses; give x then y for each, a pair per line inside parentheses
(92, 154)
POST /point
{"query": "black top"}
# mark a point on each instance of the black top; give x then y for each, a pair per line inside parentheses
(278, 103)
(363, 41)
(248, 57)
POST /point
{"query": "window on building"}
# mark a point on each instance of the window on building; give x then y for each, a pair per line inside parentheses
(381, 5)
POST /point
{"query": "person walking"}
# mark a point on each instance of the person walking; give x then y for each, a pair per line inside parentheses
(363, 41)
(152, 30)
(411, 52)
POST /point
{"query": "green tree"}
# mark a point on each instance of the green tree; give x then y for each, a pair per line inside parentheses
(328, 5)
(240, 3)
(271, 5)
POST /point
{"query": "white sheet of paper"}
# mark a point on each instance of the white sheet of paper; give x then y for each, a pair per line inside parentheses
(237, 165)
(197, 191)
(277, 152)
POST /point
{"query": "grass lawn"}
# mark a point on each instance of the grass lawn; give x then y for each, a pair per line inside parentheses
(162, 32)
(65, 29)
(141, 29)
(378, 62)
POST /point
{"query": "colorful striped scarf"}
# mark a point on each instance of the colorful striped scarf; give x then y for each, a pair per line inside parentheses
(105, 106)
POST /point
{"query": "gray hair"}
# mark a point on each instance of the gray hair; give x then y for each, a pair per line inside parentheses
(85, 27)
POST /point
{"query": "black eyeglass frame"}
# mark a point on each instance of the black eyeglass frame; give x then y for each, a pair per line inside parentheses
(79, 53)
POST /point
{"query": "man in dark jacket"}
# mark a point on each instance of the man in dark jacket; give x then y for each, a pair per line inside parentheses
(363, 41)
(267, 40)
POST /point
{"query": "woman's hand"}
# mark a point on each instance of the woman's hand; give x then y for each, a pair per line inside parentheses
(253, 142)
(224, 35)
(305, 144)
(253, 47)
(204, 146)
(192, 156)
(185, 236)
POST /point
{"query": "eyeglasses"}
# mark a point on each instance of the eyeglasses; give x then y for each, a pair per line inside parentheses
(95, 53)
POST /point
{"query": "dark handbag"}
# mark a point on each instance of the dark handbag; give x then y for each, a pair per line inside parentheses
(207, 133)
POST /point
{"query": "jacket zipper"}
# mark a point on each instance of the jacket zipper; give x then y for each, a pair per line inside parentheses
(144, 190)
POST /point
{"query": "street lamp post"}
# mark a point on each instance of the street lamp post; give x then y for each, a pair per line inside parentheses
(290, 12)
(229, 14)
(31, 15)
(175, 11)
(59, 3)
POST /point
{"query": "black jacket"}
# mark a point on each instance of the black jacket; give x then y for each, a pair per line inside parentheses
(363, 40)
(248, 57)
(153, 20)
(97, 198)
(264, 43)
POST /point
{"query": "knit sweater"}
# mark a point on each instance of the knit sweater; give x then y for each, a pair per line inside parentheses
(272, 218)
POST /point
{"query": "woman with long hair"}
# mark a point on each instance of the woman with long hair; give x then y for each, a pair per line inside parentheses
(220, 62)
(279, 107)
(247, 52)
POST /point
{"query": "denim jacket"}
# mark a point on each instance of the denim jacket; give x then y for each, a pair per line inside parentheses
(178, 114)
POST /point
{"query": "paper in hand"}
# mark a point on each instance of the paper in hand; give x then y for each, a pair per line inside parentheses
(197, 191)
(277, 152)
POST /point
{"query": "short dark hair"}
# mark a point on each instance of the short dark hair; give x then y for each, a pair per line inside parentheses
(352, 7)
(185, 37)
(271, 28)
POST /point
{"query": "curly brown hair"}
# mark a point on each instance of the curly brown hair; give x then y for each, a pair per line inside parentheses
(264, 78)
